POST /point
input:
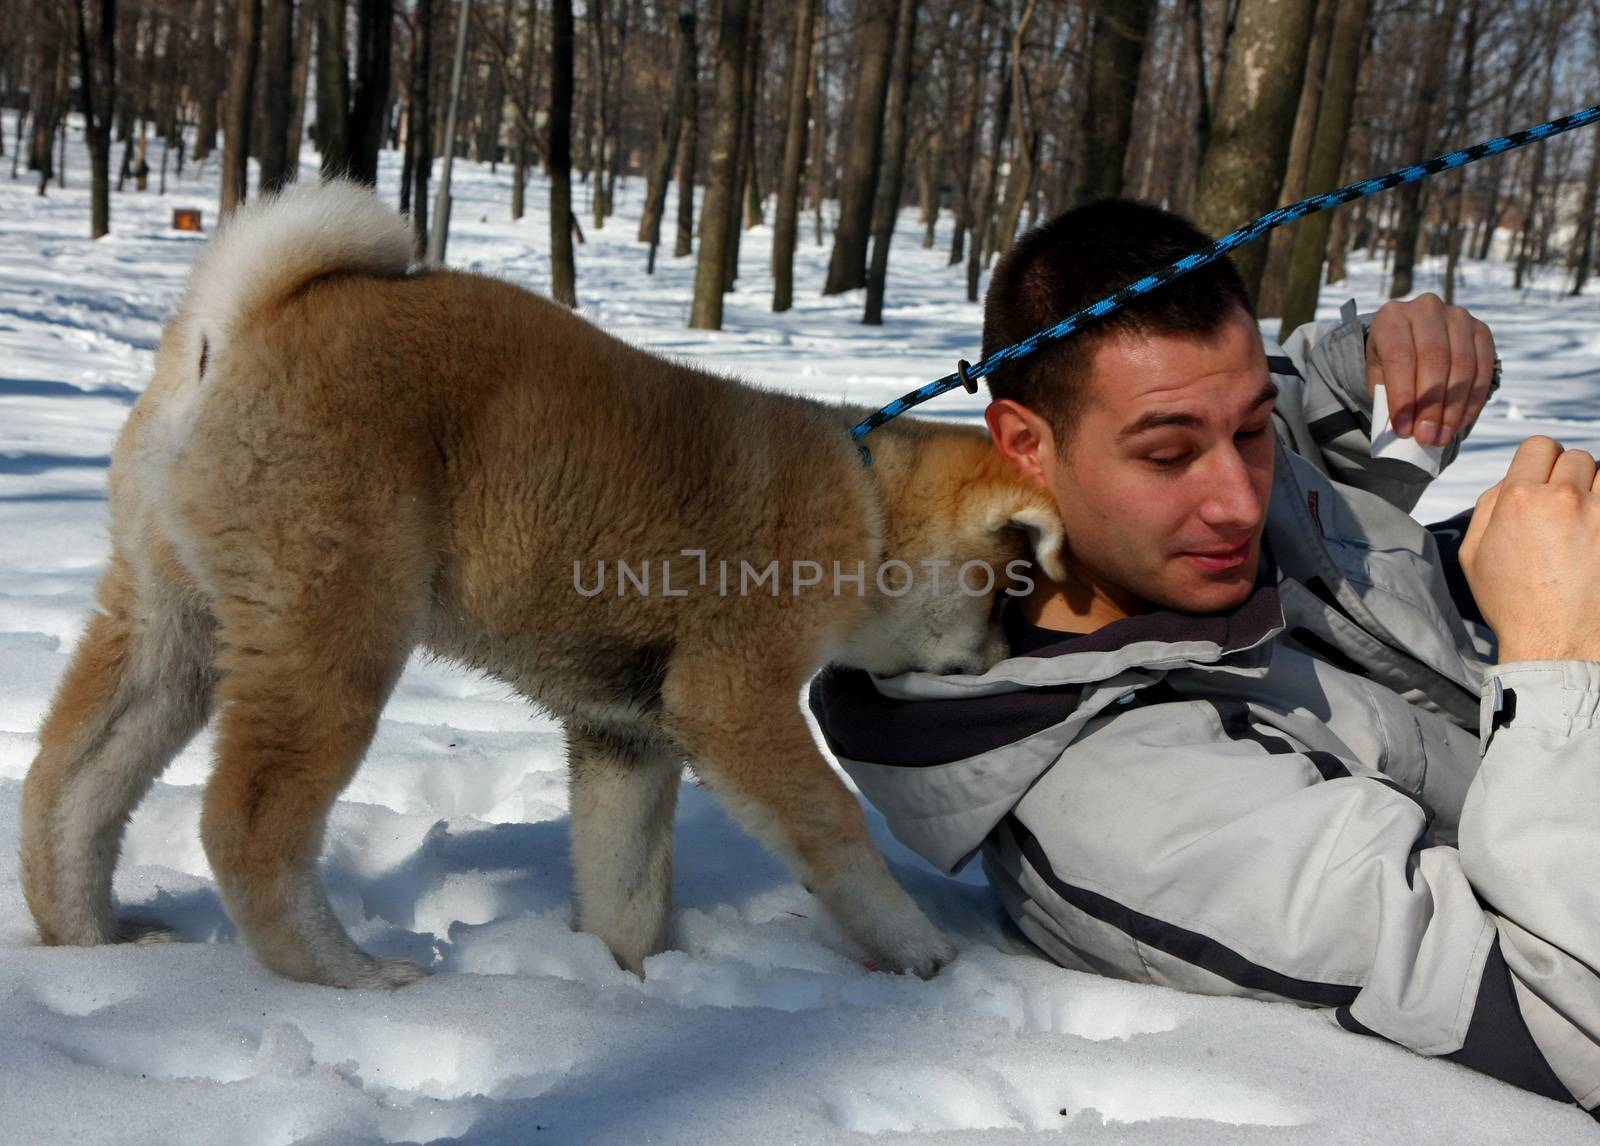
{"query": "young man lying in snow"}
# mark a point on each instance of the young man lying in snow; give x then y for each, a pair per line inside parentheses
(1257, 743)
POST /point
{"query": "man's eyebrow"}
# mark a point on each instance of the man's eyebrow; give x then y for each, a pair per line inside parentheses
(1157, 420)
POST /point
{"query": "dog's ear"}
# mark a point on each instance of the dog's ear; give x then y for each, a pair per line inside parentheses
(1037, 517)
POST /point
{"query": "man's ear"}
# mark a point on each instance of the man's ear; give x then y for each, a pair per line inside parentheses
(1022, 438)
(1036, 516)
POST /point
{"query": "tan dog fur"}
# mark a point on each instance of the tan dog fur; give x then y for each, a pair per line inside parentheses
(337, 462)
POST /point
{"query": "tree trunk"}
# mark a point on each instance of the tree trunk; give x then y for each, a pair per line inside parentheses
(932, 193)
(716, 212)
(369, 113)
(1276, 276)
(419, 120)
(42, 106)
(1120, 33)
(1243, 166)
(97, 78)
(1338, 244)
(1455, 181)
(797, 102)
(744, 152)
(599, 58)
(1436, 31)
(894, 158)
(1557, 18)
(563, 270)
(207, 88)
(966, 174)
(277, 66)
(1324, 165)
(241, 105)
(847, 269)
(688, 159)
(1583, 244)
(305, 23)
(983, 214)
(667, 145)
(525, 88)
(333, 89)
(817, 182)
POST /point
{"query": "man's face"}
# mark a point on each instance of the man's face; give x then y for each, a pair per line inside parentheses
(1164, 480)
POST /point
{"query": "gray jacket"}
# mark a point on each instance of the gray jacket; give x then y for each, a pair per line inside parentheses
(1327, 796)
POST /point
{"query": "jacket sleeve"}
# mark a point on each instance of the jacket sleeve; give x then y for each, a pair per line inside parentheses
(1325, 414)
(1226, 855)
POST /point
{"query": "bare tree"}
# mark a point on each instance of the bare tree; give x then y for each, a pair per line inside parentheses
(305, 24)
(600, 66)
(1276, 276)
(1455, 181)
(672, 131)
(797, 105)
(1035, 78)
(419, 123)
(563, 270)
(208, 75)
(894, 158)
(847, 269)
(43, 108)
(238, 114)
(744, 150)
(97, 77)
(1326, 160)
(1436, 28)
(1121, 28)
(716, 211)
(969, 133)
(277, 66)
(1556, 17)
(1250, 135)
(369, 112)
(688, 157)
(333, 89)
(983, 229)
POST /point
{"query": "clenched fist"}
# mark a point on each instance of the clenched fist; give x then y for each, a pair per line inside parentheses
(1532, 555)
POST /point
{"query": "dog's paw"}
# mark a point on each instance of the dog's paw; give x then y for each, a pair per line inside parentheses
(136, 930)
(924, 959)
(382, 974)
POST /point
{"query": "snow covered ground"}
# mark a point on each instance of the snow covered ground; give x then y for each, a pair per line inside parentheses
(450, 845)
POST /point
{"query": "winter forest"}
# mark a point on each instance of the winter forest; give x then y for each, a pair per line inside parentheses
(809, 195)
(826, 117)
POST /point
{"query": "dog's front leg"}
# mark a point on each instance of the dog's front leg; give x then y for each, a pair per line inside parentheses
(624, 794)
(753, 750)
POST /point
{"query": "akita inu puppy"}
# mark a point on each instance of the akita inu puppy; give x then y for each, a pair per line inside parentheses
(337, 461)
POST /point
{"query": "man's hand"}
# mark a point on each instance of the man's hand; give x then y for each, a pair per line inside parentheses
(1435, 363)
(1532, 553)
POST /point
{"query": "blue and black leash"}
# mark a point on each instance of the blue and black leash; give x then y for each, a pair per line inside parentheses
(967, 375)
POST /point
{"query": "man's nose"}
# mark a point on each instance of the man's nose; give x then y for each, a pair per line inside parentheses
(1231, 500)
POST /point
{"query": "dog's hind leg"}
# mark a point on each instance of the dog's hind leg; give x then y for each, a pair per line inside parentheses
(307, 675)
(138, 688)
(624, 794)
(751, 747)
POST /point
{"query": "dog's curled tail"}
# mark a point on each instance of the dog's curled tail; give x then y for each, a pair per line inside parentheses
(268, 249)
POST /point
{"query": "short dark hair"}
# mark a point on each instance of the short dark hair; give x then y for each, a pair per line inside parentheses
(1078, 258)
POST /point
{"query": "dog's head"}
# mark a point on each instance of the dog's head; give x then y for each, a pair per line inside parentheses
(963, 530)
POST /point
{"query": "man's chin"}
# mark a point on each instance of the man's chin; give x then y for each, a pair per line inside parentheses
(1215, 591)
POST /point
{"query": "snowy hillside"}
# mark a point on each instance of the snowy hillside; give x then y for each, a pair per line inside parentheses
(450, 845)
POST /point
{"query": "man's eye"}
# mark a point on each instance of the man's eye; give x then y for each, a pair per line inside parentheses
(1166, 461)
(1248, 434)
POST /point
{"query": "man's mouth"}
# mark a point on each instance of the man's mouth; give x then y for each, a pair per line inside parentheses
(1218, 560)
